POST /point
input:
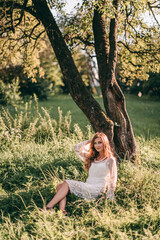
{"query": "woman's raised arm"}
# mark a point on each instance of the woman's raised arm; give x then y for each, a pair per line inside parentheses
(82, 149)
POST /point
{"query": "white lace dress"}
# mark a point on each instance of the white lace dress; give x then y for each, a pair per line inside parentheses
(101, 174)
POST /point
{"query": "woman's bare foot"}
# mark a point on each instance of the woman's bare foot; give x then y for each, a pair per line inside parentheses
(65, 213)
(45, 209)
(48, 208)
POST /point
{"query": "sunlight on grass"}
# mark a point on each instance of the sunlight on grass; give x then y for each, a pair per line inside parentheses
(37, 153)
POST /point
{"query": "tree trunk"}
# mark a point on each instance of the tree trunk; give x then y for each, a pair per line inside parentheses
(114, 99)
(117, 125)
(91, 108)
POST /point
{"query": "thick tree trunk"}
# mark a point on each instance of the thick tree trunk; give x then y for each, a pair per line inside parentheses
(80, 94)
(114, 100)
(117, 124)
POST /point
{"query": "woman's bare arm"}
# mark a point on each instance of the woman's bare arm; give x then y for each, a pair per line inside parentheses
(82, 149)
(113, 178)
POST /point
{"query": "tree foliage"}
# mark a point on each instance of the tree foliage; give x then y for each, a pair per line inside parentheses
(19, 40)
(23, 37)
(138, 35)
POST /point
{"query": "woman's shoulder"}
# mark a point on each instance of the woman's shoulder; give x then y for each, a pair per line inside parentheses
(111, 160)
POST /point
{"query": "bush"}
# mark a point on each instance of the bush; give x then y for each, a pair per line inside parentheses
(41, 87)
(149, 87)
(152, 86)
(27, 86)
(9, 93)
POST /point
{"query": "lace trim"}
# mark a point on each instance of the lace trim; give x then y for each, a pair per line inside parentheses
(102, 160)
(84, 190)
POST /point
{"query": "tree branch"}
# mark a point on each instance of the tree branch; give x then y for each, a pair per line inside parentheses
(101, 43)
(155, 6)
(22, 12)
(113, 38)
(19, 6)
(139, 52)
(151, 8)
(34, 28)
(68, 36)
(36, 39)
(9, 7)
(135, 65)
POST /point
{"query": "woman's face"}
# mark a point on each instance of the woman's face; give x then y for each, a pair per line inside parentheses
(98, 145)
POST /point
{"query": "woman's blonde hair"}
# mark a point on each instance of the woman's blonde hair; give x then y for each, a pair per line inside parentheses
(92, 151)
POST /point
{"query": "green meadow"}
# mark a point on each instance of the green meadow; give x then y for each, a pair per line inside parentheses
(36, 151)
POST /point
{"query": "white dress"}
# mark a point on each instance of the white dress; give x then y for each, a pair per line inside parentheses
(101, 174)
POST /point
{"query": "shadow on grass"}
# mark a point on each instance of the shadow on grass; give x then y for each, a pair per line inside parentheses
(35, 187)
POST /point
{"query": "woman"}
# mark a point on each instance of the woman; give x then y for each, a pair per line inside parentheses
(101, 166)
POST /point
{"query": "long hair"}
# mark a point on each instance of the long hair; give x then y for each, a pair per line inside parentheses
(92, 151)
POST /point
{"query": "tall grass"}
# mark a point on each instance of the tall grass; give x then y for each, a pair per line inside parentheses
(36, 154)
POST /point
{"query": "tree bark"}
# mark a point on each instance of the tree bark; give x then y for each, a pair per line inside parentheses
(113, 97)
(91, 108)
(116, 124)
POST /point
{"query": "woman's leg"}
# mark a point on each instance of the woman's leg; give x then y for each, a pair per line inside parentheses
(62, 203)
(60, 195)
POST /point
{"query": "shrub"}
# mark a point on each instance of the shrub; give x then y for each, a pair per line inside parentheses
(152, 86)
(27, 86)
(9, 93)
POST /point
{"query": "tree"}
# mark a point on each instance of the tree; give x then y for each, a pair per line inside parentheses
(115, 122)
(87, 70)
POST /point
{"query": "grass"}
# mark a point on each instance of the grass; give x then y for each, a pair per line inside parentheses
(36, 152)
(144, 112)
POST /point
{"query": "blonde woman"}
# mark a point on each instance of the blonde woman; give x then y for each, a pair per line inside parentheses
(102, 172)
